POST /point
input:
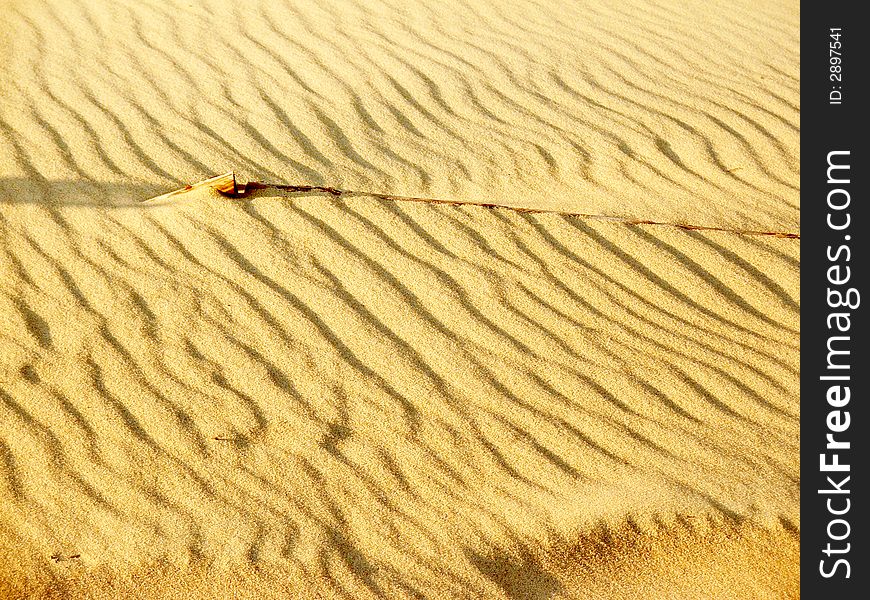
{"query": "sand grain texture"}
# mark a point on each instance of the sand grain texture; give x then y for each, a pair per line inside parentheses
(386, 395)
(303, 394)
(683, 112)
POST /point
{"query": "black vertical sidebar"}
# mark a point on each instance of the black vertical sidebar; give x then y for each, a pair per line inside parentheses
(835, 370)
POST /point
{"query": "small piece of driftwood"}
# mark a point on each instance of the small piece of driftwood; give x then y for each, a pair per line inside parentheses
(225, 184)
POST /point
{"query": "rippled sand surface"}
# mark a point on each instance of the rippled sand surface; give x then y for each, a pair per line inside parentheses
(665, 110)
(346, 395)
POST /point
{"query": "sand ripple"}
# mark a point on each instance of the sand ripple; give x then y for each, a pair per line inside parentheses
(393, 397)
(299, 395)
(637, 109)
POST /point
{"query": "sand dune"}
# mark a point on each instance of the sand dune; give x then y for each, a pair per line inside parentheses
(303, 394)
(388, 397)
(686, 112)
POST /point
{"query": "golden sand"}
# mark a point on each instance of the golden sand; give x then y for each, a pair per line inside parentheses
(316, 395)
